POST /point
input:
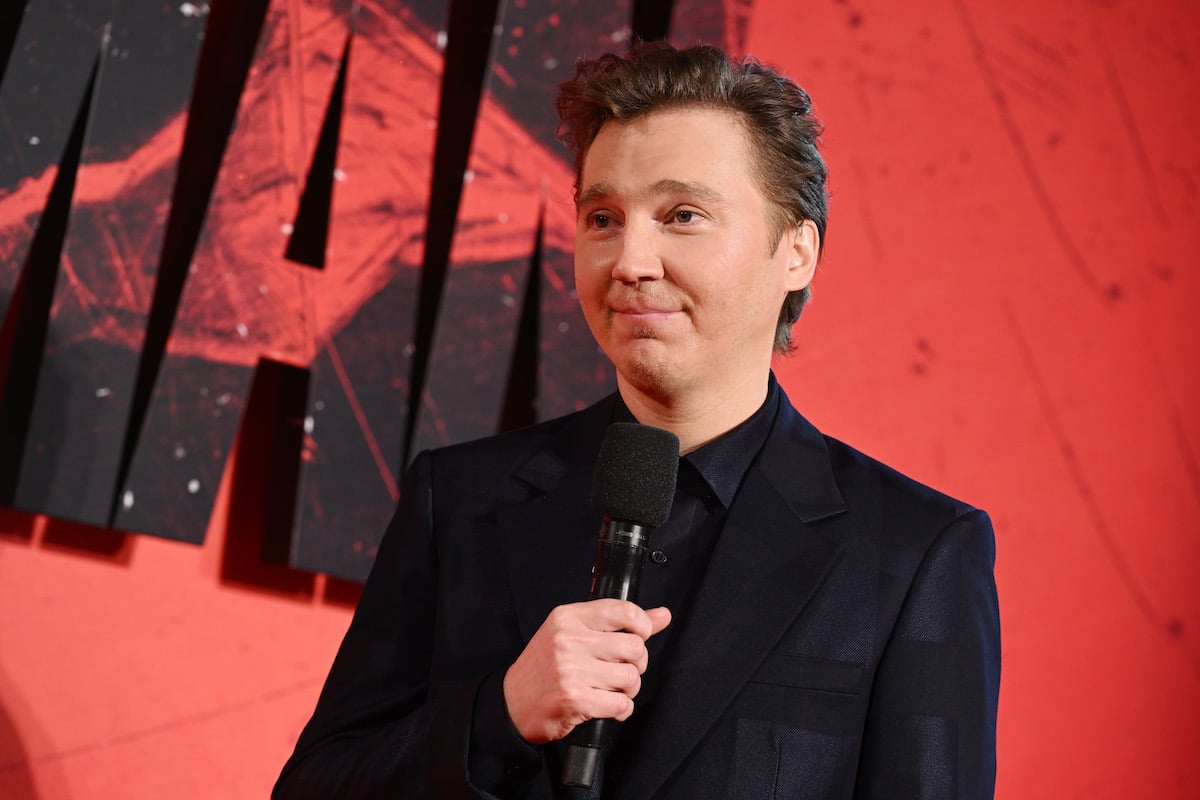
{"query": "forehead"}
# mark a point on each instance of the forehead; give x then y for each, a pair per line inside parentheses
(699, 145)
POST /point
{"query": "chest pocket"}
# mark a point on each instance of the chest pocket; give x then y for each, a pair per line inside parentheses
(798, 727)
(801, 691)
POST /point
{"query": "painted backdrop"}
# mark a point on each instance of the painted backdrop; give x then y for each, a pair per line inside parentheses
(254, 255)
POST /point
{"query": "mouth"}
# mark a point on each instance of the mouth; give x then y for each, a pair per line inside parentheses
(641, 312)
(642, 309)
(642, 322)
(645, 313)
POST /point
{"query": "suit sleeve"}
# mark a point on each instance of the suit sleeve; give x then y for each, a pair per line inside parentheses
(382, 728)
(931, 726)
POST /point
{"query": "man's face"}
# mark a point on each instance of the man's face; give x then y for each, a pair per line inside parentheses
(678, 275)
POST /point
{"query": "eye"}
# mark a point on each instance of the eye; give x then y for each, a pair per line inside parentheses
(600, 221)
(684, 216)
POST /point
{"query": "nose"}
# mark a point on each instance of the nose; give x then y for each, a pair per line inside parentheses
(637, 259)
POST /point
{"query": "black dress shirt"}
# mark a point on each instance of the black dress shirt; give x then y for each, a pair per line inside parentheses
(709, 478)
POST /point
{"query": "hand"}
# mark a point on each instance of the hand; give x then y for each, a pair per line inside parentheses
(585, 662)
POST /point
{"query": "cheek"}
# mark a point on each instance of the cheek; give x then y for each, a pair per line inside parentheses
(589, 263)
(746, 300)
(584, 275)
(589, 292)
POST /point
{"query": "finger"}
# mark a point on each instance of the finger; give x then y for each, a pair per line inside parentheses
(604, 692)
(660, 618)
(603, 699)
(610, 705)
(618, 647)
(624, 678)
(618, 615)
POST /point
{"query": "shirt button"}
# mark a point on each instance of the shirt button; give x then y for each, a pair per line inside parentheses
(658, 557)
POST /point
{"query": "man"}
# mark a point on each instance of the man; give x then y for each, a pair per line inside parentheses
(814, 625)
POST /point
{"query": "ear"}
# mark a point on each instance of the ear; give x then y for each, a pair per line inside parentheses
(803, 249)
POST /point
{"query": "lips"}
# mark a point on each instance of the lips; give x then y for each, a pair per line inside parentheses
(641, 306)
(642, 311)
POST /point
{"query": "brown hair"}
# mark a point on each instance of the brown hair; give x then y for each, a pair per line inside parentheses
(776, 112)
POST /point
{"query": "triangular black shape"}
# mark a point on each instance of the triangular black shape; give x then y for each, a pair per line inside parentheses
(23, 336)
(310, 229)
(10, 22)
(230, 39)
(520, 397)
(468, 55)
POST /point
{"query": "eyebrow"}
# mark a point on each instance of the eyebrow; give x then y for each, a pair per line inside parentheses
(665, 186)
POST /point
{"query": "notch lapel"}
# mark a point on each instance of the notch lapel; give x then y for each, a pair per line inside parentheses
(550, 539)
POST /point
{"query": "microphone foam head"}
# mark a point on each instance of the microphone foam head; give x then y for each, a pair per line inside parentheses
(635, 474)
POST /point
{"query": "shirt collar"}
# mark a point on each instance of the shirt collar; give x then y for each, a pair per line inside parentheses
(724, 461)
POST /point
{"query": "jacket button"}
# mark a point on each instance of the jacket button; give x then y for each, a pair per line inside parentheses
(658, 557)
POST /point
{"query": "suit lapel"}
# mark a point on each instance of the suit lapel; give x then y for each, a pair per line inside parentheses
(550, 539)
(767, 563)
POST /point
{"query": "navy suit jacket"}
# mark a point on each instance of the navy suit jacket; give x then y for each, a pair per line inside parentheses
(844, 642)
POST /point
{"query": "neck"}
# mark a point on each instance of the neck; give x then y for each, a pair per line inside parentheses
(695, 417)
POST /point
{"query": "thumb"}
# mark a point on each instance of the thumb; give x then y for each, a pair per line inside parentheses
(660, 618)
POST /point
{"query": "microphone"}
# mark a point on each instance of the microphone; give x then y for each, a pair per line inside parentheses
(632, 492)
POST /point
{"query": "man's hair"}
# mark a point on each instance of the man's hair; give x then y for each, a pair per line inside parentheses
(776, 113)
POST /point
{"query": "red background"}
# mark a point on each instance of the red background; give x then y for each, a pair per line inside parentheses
(1005, 310)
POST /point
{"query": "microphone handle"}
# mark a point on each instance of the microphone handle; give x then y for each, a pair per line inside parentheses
(620, 559)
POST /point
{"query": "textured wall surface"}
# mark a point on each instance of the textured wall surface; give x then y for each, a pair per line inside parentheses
(1005, 310)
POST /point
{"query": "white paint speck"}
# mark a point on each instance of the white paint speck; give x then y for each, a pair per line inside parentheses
(503, 217)
(339, 174)
(264, 290)
(309, 424)
(319, 405)
(550, 63)
(35, 140)
(286, 229)
(242, 330)
(127, 499)
(508, 300)
(223, 400)
(468, 176)
(193, 486)
(441, 40)
(180, 452)
(193, 10)
(563, 327)
(103, 391)
(409, 349)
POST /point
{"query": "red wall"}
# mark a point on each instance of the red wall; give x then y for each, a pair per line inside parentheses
(1006, 310)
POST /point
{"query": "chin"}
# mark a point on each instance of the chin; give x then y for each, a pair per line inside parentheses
(655, 377)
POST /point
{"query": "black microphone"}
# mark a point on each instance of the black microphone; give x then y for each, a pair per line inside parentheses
(632, 492)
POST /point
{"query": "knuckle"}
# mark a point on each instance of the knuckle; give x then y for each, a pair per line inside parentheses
(635, 650)
(634, 682)
(569, 701)
(559, 638)
(625, 708)
(558, 616)
(631, 615)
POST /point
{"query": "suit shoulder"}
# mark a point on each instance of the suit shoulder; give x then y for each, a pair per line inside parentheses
(507, 451)
(901, 499)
